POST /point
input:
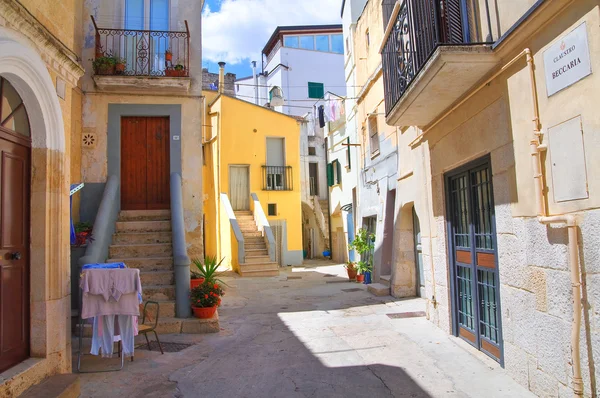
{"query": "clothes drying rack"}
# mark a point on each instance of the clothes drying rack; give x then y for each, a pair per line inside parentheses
(81, 321)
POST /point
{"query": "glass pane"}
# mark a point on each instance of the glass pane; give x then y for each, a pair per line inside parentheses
(159, 15)
(290, 41)
(18, 122)
(482, 201)
(488, 310)
(159, 21)
(322, 43)
(134, 14)
(466, 316)
(337, 44)
(10, 99)
(307, 42)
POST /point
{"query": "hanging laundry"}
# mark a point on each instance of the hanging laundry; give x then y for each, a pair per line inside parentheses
(321, 116)
(328, 111)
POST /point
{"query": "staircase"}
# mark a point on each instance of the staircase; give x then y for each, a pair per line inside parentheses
(142, 240)
(257, 259)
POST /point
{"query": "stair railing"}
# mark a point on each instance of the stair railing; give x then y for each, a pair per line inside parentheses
(181, 261)
(235, 226)
(263, 226)
(104, 224)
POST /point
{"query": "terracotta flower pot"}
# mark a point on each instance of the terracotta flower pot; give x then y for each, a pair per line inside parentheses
(105, 70)
(204, 313)
(360, 278)
(169, 57)
(120, 69)
(196, 282)
(351, 273)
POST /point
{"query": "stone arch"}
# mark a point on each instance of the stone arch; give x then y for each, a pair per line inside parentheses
(24, 68)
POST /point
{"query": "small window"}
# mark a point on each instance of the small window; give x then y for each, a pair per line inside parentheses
(334, 173)
(312, 151)
(348, 160)
(367, 39)
(272, 209)
(373, 135)
(316, 90)
(337, 44)
(307, 42)
(290, 41)
(322, 42)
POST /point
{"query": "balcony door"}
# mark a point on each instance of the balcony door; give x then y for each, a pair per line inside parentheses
(145, 163)
(471, 231)
(239, 187)
(276, 164)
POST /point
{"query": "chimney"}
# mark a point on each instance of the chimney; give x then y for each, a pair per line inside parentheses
(255, 82)
(221, 77)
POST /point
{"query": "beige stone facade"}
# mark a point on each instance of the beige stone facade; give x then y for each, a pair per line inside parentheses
(493, 120)
(40, 58)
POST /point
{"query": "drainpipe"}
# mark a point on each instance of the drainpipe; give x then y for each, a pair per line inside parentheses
(255, 77)
(328, 198)
(221, 77)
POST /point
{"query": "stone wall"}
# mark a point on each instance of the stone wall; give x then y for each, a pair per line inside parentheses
(209, 79)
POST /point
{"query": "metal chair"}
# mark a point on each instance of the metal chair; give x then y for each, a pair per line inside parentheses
(145, 329)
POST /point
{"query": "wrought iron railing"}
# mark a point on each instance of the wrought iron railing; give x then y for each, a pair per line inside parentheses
(132, 52)
(277, 178)
(419, 28)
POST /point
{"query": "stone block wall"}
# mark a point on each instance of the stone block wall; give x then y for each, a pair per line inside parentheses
(209, 78)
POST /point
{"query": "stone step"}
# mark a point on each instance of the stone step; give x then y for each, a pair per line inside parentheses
(188, 325)
(257, 259)
(166, 309)
(256, 252)
(58, 386)
(255, 267)
(385, 280)
(378, 289)
(158, 292)
(142, 238)
(249, 234)
(268, 270)
(243, 213)
(143, 226)
(145, 215)
(146, 264)
(255, 246)
(141, 250)
(248, 228)
(157, 278)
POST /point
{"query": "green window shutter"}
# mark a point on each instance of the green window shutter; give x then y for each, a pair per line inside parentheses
(330, 174)
(348, 154)
(338, 172)
(316, 90)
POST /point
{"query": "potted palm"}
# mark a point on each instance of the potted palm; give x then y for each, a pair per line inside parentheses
(205, 299)
(364, 244)
(206, 270)
(351, 269)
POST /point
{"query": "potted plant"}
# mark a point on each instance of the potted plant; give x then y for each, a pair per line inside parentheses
(83, 233)
(205, 299)
(364, 244)
(168, 55)
(120, 64)
(206, 270)
(179, 69)
(104, 65)
(351, 269)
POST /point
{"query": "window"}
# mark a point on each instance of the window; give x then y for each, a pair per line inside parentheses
(337, 44)
(334, 173)
(307, 42)
(367, 39)
(373, 135)
(312, 151)
(316, 90)
(272, 209)
(322, 43)
(290, 41)
(13, 115)
(348, 162)
(134, 14)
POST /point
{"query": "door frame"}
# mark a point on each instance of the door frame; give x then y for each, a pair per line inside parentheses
(483, 161)
(247, 167)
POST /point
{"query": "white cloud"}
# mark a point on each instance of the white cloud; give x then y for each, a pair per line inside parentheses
(241, 28)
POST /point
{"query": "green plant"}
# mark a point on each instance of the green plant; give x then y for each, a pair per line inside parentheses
(179, 66)
(121, 61)
(363, 244)
(83, 227)
(208, 269)
(350, 265)
(208, 294)
(106, 61)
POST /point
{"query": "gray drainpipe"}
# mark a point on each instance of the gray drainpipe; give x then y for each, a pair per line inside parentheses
(328, 198)
(181, 261)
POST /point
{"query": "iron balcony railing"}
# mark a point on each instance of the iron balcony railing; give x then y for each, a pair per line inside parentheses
(419, 28)
(277, 178)
(132, 52)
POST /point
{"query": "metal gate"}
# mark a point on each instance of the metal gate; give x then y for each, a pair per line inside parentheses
(472, 240)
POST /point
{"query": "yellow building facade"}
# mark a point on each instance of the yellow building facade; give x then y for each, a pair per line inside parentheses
(251, 186)
(40, 67)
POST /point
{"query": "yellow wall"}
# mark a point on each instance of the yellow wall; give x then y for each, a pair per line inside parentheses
(242, 132)
(61, 18)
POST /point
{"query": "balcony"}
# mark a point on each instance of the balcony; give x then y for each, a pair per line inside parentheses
(433, 52)
(142, 60)
(277, 178)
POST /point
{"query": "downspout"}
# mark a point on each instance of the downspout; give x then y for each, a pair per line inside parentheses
(255, 77)
(328, 198)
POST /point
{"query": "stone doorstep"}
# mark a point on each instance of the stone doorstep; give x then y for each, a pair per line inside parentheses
(256, 267)
(258, 259)
(263, 274)
(132, 238)
(385, 280)
(59, 386)
(143, 226)
(147, 264)
(378, 289)
(141, 250)
(144, 215)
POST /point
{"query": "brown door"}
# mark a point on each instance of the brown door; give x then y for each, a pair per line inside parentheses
(145, 163)
(14, 250)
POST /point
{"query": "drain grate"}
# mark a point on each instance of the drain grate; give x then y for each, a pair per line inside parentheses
(167, 347)
(401, 315)
(354, 289)
(294, 277)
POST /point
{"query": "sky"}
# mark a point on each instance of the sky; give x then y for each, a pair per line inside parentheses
(235, 31)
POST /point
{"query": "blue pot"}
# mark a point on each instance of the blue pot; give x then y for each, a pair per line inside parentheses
(367, 278)
(326, 253)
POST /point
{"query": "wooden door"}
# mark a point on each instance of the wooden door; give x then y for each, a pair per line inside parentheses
(14, 250)
(239, 187)
(145, 163)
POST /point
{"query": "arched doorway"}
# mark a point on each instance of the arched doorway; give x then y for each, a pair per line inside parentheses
(15, 163)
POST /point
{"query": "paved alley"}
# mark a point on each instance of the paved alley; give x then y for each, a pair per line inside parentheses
(310, 333)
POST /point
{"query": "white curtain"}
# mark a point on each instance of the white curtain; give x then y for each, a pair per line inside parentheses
(239, 188)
